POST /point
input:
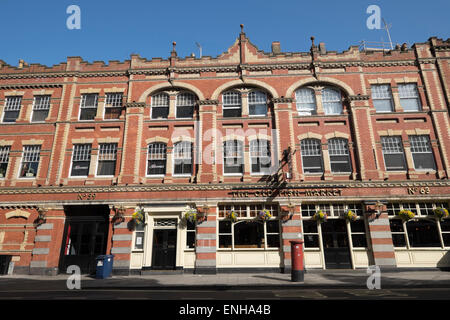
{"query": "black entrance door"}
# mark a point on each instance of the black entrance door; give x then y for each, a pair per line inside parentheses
(85, 238)
(335, 243)
(164, 248)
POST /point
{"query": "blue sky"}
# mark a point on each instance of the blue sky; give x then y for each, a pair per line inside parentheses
(112, 30)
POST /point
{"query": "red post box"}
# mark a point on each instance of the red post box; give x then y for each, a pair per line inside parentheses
(297, 267)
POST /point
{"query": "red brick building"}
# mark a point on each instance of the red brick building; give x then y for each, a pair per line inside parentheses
(85, 145)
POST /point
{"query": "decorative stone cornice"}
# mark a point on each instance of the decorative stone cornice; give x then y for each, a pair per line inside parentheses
(31, 86)
(149, 72)
(445, 47)
(64, 74)
(135, 104)
(215, 187)
(208, 102)
(282, 100)
(358, 97)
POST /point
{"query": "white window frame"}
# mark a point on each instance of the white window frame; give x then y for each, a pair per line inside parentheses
(335, 97)
(174, 157)
(341, 148)
(274, 210)
(379, 94)
(260, 154)
(390, 150)
(83, 153)
(308, 150)
(300, 101)
(409, 91)
(157, 103)
(256, 97)
(239, 145)
(187, 98)
(12, 103)
(41, 106)
(135, 233)
(4, 158)
(31, 154)
(230, 102)
(103, 155)
(423, 147)
(418, 215)
(113, 100)
(83, 105)
(159, 148)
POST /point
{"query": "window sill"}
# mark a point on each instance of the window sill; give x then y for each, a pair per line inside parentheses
(155, 176)
(396, 172)
(232, 174)
(421, 249)
(248, 249)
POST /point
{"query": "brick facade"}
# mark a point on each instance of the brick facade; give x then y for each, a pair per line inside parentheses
(243, 68)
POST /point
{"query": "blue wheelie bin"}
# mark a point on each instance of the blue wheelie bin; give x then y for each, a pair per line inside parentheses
(104, 266)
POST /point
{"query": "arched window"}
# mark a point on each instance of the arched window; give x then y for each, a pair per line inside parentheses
(311, 155)
(332, 101)
(233, 157)
(156, 158)
(182, 158)
(160, 106)
(260, 156)
(339, 155)
(185, 105)
(306, 101)
(232, 104)
(257, 103)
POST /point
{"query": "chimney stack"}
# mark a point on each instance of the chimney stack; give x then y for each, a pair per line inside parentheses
(276, 47)
(322, 49)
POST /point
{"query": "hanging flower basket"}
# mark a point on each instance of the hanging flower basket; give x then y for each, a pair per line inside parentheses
(139, 216)
(320, 216)
(232, 216)
(264, 215)
(406, 215)
(441, 213)
(191, 215)
(350, 215)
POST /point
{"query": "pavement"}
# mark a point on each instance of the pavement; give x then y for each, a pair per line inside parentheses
(313, 279)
